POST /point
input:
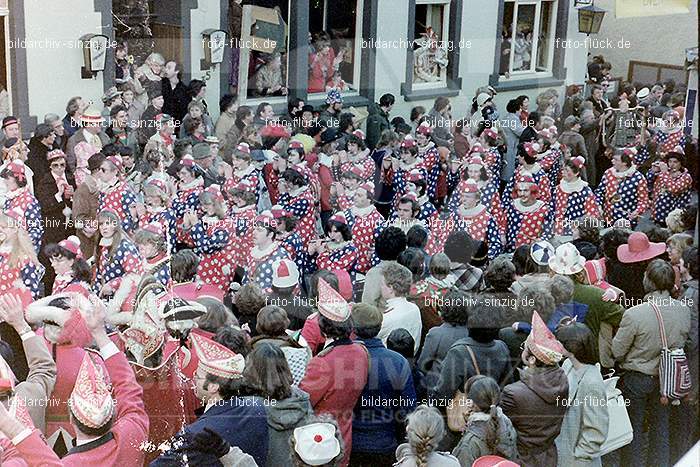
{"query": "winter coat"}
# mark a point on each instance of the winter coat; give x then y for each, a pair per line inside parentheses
(377, 122)
(585, 425)
(513, 128)
(474, 445)
(36, 160)
(282, 418)
(574, 141)
(437, 343)
(405, 457)
(534, 405)
(375, 425)
(691, 347)
(457, 367)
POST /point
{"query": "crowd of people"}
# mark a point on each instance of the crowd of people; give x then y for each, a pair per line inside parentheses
(294, 289)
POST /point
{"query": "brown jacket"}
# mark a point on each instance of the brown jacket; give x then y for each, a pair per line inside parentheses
(86, 201)
(38, 386)
(534, 405)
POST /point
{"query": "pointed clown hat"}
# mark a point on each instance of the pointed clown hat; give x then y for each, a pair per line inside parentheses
(91, 401)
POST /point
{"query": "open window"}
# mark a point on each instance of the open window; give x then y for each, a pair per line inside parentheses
(527, 37)
(431, 44)
(262, 53)
(335, 29)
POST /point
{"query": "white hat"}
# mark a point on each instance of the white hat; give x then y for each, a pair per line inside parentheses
(642, 93)
(316, 444)
(541, 252)
(567, 260)
(285, 273)
(482, 98)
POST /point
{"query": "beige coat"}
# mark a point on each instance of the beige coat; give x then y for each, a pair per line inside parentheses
(38, 386)
(637, 344)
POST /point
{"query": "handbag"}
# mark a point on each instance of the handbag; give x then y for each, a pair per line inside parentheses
(674, 371)
(620, 431)
(460, 407)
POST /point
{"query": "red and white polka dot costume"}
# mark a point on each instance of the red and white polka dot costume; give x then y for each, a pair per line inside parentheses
(302, 205)
(67, 283)
(541, 180)
(259, 266)
(571, 201)
(622, 195)
(342, 256)
(27, 274)
(362, 163)
(526, 224)
(363, 223)
(243, 222)
(346, 200)
(119, 198)
(112, 268)
(671, 191)
(215, 242)
(666, 141)
(250, 175)
(24, 201)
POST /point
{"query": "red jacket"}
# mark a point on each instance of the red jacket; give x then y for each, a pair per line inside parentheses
(334, 381)
(121, 446)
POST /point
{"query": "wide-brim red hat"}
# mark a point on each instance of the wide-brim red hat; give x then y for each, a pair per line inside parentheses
(638, 248)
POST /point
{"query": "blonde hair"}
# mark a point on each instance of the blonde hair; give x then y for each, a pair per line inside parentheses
(156, 59)
(21, 245)
(679, 241)
(424, 432)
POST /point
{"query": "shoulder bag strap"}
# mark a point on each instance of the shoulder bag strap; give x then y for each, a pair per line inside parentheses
(662, 329)
(473, 357)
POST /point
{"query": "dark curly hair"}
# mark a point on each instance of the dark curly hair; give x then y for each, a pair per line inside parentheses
(390, 243)
(453, 308)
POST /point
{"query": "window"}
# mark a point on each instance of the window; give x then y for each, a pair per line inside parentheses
(336, 31)
(431, 43)
(527, 37)
(262, 53)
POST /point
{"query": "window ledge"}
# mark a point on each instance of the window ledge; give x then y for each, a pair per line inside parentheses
(354, 101)
(527, 83)
(410, 95)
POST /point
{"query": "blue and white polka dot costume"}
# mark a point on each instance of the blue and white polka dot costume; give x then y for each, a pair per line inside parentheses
(302, 206)
(671, 191)
(28, 273)
(26, 202)
(344, 258)
(295, 249)
(214, 241)
(168, 222)
(430, 162)
(622, 195)
(364, 224)
(259, 268)
(111, 269)
(572, 201)
(159, 267)
(119, 198)
(541, 180)
(526, 224)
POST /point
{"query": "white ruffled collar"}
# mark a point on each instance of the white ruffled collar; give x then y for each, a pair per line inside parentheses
(422, 200)
(237, 210)
(408, 167)
(625, 173)
(572, 187)
(242, 173)
(298, 191)
(362, 212)
(196, 183)
(518, 204)
(258, 253)
(471, 212)
(337, 246)
(532, 170)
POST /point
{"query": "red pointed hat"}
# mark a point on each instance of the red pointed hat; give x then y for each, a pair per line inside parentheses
(477, 148)
(278, 212)
(331, 304)
(160, 184)
(73, 329)
(244, 148)
(532, 149)
(216, 359)
(526, 178)
(476, 161)
(339, 217)
(631, 151)
(18, 411)
(359, 133)
(72, 244)
(245, 186)
(267, 219)
(154, 228)
(187, 160)
(424, 128)
(542, 343)
(369, 186)
(296, 145)
(117, 161)
(491, 133)
(578, 161)
(145, 336)
(408, 142)
(469, 186)
(411, 196)
(215, 192)
(91, 400)
(415, 175)
(493, 461)
(18, 169)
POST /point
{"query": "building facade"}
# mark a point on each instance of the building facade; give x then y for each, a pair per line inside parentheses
(414, 49)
